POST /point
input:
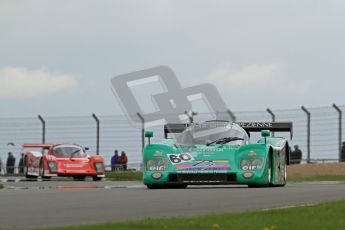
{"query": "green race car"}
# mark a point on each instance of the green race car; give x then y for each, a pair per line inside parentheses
(218, 152)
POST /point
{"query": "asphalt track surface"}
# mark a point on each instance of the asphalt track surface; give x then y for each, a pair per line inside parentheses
(66, 203)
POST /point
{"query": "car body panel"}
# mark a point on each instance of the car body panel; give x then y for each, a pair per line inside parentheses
(169, 163)
(38, 157)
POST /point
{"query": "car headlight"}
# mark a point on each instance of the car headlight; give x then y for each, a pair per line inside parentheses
(251, 164)
(99, 167)
(157, 164)
(52, 166)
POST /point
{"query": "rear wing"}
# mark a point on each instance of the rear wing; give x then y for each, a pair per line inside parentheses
(247, 126)
(174, 128)
(40, 146)
(271, 126)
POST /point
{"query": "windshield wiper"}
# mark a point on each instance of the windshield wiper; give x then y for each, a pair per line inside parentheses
(225, 140)
(73, 153)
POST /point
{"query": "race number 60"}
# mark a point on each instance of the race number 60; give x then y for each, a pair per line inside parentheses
(178, 158)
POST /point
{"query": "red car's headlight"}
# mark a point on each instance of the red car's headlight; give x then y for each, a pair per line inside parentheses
(99, 167)
(52, 166)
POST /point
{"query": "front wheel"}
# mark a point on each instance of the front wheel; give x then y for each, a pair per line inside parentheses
(42, 171)
(155, 186)
(26, 170)
(178, 186)
(80, 178)
(96, 178)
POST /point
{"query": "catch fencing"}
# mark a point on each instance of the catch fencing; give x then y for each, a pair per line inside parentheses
(317, 131)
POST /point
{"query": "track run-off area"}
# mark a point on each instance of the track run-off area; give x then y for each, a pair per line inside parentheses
(32, 204)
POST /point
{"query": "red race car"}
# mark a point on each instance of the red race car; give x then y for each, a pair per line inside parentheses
(47, 160)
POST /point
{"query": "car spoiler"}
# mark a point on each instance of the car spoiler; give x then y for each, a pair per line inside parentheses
(42, 146)
(247, 126)
(174, 128)
(271, 126)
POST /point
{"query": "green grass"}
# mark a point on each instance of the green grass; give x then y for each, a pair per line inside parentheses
(297, 178)
(124, 176)
(323, 216)
(1, 186)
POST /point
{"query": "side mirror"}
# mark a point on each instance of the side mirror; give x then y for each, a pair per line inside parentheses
(265, 133)
(86, 148)
(149, 134)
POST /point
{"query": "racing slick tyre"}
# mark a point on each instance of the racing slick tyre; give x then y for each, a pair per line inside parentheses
(285, 176)
(164, 186)
(81, 178)
(178, 186)
(156, 186)
(26, 170)
(42, 171)
(96, 178)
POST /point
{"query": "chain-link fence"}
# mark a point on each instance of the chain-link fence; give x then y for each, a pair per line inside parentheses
(319, 143)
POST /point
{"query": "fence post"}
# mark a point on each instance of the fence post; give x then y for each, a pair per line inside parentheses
(273, 117)
(97, 133)
(142, 132)
(340, 128)
(232, 115)
(43, 129)
(308, 133)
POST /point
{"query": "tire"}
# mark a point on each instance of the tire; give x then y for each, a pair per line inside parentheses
(26, 170)
(178, 186)
(164, 186)
(155, 186)
(269, 173)
(81, 178)
(285, 177)
(96, 178)
(41, 170)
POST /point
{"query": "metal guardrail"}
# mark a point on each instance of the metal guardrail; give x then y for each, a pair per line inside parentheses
(318, 133)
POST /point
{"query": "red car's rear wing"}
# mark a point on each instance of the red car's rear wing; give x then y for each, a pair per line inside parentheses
(248, 126)
(41, 146)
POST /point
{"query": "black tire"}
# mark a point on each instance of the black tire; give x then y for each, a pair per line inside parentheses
(269, 171)
(80, 178)
(285, 176)
(41, 170)
(96, 178)
(26, 170)
(155, 186)
(164, 186)
(178, 186)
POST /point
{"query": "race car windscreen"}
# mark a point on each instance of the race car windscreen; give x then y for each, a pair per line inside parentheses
(207, 133)
(68, 151)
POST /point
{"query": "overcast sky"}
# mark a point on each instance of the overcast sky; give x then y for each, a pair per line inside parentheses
(57, 57)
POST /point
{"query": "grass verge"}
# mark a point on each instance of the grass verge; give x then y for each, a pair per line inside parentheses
(322, 216)
(300, 178)
(124, 176)
(1, 186)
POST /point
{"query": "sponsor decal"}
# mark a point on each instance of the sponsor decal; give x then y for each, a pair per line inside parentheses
(158, 154)
(252, 153)
(211, 149)
(256, 124)
(209, 166)
(178, 158)
(73, 165)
